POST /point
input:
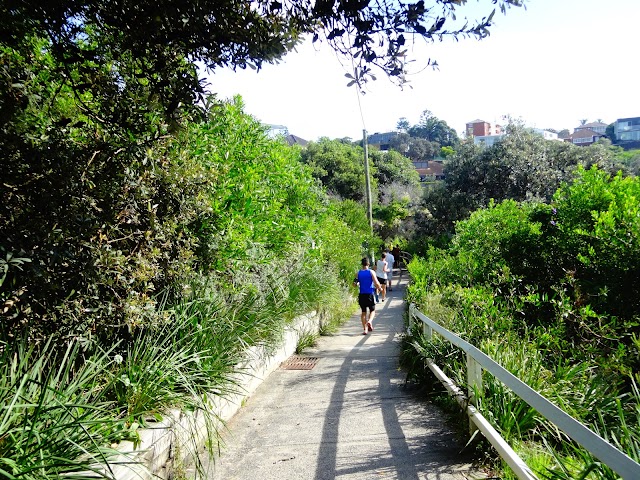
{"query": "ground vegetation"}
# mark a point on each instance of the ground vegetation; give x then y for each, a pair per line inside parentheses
(546, 286)
(148, 232)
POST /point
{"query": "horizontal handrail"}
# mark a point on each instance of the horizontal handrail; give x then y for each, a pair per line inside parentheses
(518, 466)
(615, 459)
(405, 257)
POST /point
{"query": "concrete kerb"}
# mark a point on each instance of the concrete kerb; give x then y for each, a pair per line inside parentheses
(173, 441)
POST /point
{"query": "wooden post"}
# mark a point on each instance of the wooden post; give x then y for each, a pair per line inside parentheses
(412, 308)
(474, 384)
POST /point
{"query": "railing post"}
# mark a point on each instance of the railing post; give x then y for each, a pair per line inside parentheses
(427, 331)
(412, 308)
(474, 382)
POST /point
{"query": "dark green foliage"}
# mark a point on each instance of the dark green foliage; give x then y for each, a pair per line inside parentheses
(156, 36)
(392, 167)
(339, 167)
(137, 213)
(432, 129)
(629, 160)
(523, 166)
(218, 198)
(544, 279)
(101, 200)
(571, 266)
(610, 132)
(598, 223)
(399, 191)
(417, 149)
(233, 217)
(423, 141)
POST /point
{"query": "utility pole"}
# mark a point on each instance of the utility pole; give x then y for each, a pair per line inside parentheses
(367, 180)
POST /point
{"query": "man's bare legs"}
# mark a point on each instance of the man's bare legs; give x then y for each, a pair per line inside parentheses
(363, 320)
(367, 324)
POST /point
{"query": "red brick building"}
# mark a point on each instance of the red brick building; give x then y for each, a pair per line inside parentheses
(478, 128)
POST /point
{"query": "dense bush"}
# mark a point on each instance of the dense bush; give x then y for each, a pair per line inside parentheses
(522, 166)
(575, 259)
(339, 166)
(217, 238)
(549, 290)
(218, 197)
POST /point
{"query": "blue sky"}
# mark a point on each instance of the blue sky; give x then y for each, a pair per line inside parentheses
(551, 65)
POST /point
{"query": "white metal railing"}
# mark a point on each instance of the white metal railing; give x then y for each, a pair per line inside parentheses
(618, 461)
(405, 258)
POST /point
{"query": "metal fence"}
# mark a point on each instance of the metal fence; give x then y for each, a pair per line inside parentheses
(405, 258)
(619, 462)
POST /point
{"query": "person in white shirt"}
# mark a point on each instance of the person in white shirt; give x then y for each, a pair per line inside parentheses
(388, 256)
(381, 272)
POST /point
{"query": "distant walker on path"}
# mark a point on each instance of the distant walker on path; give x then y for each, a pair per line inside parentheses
(368, 283)
(390, 261)
(395, 251)
(381, 273)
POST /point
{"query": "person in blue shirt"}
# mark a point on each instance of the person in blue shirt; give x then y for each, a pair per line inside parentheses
(368, 283)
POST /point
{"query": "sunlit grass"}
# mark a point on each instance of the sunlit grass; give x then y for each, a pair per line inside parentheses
(54, 419)
(63, 412)
(603, 404)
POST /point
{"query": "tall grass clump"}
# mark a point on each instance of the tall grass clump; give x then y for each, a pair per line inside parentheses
(55, 417)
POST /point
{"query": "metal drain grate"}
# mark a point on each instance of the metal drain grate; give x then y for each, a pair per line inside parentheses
(298, 362)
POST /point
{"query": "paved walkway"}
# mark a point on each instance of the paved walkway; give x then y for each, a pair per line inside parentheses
(350, 417)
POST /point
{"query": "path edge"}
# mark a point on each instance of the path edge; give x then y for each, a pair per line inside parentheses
(171, 445)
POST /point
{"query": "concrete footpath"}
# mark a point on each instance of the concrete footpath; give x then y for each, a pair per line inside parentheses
(349, 417)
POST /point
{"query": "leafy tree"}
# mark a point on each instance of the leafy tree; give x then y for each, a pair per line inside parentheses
(598, 219)
(433, 129)
(96, 100)
(339, 167)
(446, 152)
(523, 166)
(610, 132)
(417, 149)
(400, 143)
(422, 150)
(158, 35)
(403, 125)
(572, 263)
(217, 196)
(629, 160)
(391, 216)
(393, 167)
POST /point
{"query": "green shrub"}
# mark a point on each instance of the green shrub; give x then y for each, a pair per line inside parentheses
(550, 292)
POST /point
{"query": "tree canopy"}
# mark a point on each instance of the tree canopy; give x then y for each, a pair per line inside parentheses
(96, 95)
(162, 38)
(433, 129)
(424, 141)
(523, 166)
(339, 166)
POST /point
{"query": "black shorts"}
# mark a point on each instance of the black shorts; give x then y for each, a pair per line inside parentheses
(382, 281)
(366, 300)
